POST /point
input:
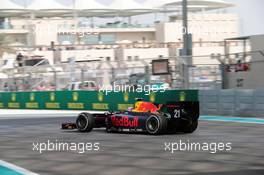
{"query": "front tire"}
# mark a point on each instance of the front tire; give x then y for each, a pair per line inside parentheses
(156, 124)
(85, 122)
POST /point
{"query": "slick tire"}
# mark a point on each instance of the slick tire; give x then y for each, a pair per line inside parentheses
(192, 126)
(85, 122)
(156, 124)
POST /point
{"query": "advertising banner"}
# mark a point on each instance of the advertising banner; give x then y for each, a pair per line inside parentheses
(89, 100)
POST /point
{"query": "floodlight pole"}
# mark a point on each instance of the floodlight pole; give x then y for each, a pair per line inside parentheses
(185, 24)
(187, 44)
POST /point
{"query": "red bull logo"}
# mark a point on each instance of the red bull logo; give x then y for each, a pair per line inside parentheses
(125, 121)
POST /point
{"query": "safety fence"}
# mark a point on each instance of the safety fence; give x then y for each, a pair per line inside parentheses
(89, 100)
(74, 75)
(232, 102)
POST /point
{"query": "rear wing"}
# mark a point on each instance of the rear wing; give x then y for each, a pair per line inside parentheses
(178, 109)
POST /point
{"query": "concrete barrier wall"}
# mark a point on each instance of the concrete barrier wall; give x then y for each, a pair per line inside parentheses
(232, 102)
(248, 103)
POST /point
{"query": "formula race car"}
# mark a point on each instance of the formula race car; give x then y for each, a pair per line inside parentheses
(145, 117)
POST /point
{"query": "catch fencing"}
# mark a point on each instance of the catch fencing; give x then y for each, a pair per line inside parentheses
(123, 72)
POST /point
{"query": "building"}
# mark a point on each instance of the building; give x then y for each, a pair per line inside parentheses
(247, 69)
(61, 32)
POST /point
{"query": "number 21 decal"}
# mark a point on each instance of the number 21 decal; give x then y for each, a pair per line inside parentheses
(177, 113)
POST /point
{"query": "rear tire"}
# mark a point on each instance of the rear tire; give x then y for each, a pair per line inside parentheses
(156, 124)
(85, 122)
(191, 127)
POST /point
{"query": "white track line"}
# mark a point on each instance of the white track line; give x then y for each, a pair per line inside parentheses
(23, 114)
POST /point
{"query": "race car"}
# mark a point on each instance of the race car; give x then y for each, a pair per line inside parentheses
(145, 117)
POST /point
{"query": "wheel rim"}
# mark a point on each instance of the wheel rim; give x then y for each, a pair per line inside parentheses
(82, 122)
(152, 124)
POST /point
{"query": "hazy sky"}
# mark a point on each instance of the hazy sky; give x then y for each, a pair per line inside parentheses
(250, 12)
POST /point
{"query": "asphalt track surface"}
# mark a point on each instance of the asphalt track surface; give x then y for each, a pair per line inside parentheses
(133, 154)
